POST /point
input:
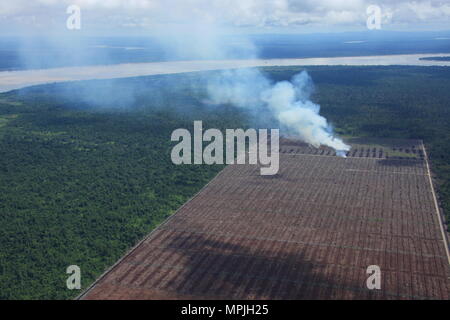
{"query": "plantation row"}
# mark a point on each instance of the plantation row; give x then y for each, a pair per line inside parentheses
(309, 232)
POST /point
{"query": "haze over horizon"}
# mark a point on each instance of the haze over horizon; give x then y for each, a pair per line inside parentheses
(147, 17)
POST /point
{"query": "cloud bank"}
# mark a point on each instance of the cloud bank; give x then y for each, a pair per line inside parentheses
(162, 15)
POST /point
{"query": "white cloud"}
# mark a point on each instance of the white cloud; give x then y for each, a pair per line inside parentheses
(253, 13)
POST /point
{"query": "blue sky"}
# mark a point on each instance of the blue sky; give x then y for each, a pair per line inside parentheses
(111, 17)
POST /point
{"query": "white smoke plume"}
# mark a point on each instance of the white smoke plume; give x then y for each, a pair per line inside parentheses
(198, 37)
(288, 102)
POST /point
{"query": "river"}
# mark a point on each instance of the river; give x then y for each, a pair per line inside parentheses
(10, 80)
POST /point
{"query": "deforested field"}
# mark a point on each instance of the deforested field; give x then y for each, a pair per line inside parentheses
(309, 232)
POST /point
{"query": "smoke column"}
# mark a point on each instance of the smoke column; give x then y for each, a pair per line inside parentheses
(207, 36)
(288, 102)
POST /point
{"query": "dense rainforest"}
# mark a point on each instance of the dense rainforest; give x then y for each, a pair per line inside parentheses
(85, 169)
(436, 59)
(81, 183)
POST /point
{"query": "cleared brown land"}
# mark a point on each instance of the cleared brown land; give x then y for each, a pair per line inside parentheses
(308, 233)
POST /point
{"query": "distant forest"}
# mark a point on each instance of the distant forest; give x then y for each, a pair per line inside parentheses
(85, 169)
(436, 58)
